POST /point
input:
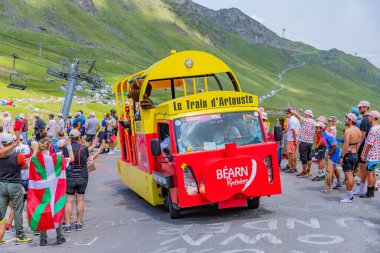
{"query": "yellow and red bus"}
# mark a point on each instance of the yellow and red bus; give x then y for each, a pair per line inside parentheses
(201, 143)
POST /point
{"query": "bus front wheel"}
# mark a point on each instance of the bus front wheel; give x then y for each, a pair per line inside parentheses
(253, 203)
(174, 210)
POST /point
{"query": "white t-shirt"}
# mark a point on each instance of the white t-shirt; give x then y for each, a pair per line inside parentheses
(61, 125)
(52, 127)
(8, 124)
(25, 151)
(293, 123)
(373, 139)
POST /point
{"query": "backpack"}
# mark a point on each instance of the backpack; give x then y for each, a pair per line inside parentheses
(278, 135)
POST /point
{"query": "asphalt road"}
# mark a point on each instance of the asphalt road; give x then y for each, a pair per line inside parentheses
(300, 220)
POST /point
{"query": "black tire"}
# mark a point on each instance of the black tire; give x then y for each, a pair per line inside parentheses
(253, 203)
(173, 212)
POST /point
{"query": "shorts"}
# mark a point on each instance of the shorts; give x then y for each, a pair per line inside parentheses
(305, 152)
(76, 185)
(349, 161)
(113, 138)
(371, 165)
(320, 153)
(360, 152)
(90, 137)
(24, 184)
(291, 147)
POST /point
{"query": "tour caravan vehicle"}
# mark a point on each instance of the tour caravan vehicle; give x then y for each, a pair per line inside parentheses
(202, 143)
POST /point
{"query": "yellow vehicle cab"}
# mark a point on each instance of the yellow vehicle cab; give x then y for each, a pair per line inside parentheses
(190, 136)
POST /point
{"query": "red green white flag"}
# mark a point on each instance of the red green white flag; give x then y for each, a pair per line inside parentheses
(47, 191)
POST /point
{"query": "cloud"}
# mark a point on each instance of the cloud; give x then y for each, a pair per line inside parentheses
(259, 19)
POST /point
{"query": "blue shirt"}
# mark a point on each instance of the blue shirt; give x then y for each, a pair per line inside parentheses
(83, 121)
(330, 141)
(104, 122)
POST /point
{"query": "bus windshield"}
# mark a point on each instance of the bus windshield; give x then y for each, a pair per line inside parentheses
(213, 131)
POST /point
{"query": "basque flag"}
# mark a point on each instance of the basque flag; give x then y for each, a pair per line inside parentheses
(47, 191)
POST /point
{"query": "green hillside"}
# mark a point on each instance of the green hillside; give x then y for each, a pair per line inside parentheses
(125, 36)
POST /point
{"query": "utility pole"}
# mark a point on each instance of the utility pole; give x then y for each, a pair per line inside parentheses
(72, 82)
(42, 29)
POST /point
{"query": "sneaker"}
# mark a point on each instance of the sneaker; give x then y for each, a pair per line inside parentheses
(111, 153)
(67, 229)
(10, 229)
(61, 240)
(23, 239)
(320, 178)
(346, 200)
(358, 191)
(301, 174)
(317, 178)
(43, 242)
(338, 185)
(308, 174)
(36, 233)
(291, 171)
(286, 168)
(78, 226)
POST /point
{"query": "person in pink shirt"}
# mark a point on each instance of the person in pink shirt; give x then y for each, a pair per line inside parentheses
(371, 153)
(306, 139)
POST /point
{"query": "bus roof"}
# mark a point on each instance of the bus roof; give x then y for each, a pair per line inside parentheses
(178, 65)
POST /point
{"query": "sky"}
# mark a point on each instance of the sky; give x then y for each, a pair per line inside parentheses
(352, 26)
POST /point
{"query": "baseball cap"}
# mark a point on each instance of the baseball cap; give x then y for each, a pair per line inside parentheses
(320, 124)
(17, 117)
(74, 133)
(374, 114)
(60, 115)
(264, 115)
(61, 143)
(22, 116)
(355, 111)
(308, 112)
(6, 113)
(352, 117)
(322, 119)
(69, 115)
(92, 114)
(36, 115)
(6, 138)
(364, 104)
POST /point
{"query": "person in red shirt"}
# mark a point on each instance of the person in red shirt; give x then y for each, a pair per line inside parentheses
(17, 125)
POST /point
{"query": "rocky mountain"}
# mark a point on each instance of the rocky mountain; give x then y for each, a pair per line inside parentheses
(125, 36)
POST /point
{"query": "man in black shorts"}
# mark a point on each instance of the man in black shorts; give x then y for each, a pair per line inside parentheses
(77, 179)
(365, 127)
(349, 156)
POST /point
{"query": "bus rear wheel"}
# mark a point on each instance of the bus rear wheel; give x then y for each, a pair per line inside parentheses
(174, 210)
(253, 203)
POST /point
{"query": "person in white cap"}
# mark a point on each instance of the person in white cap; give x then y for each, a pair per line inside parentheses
(349, 156)
(61, 123)
(91, 128)
(371, 153)
(365, 127)
(306, 139)
(333, 153)
(24, 128)
(264, 116)
(7, 122)
(292, 130)
(11, 188)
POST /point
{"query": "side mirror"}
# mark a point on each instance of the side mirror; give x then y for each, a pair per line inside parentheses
(155, 147)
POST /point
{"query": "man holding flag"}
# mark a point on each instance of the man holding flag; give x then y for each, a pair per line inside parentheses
(47, 190)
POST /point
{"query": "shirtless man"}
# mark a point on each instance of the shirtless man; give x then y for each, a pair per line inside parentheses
(349, 157)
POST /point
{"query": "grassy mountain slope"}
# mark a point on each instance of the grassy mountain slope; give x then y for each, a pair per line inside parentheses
(125, 36)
